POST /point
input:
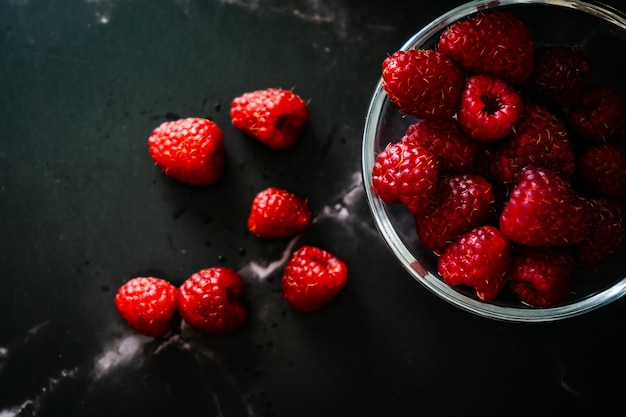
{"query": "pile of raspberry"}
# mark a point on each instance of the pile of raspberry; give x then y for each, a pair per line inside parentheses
(212, 300)
(514, 170)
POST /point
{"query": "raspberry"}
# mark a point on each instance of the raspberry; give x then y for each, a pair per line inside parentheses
(462, 203)
(211, 301)
(490, 108)
(423, 83)
(406, 173)
(541, 140)
(278, 214)
(480, 259)
(541, 278)
(447, 141)
(312, 278)
(561, 74)
(189, 150)
(531, 136)
(601, 168)
(608, 233)
(600, 115)
(273, 116)
(544, 210)
(496, 44)
(148, 305)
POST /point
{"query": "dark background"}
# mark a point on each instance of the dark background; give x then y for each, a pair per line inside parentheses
(83, 209)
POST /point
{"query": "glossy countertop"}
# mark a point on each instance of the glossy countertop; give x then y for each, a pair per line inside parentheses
(83, 209)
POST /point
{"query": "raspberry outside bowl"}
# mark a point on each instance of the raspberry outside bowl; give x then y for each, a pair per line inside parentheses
(597, 29)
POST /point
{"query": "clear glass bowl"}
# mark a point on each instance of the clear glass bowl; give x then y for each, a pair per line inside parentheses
(601, 32)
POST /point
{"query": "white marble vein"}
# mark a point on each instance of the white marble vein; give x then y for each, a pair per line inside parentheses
(261, 270)
(131, 348)
(119, 352)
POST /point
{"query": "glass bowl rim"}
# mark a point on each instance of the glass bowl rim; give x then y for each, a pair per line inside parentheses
(381, 216)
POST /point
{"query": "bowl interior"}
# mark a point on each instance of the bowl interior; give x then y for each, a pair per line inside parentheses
(601, 33)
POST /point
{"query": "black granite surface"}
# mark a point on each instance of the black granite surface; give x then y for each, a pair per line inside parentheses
(83, 209)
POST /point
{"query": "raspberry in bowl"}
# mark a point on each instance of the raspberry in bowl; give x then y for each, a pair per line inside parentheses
(488, 148)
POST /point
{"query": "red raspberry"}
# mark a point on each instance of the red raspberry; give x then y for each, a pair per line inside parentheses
(447, 141)
(312, 278)
(543, 210)
(190, 150)
(541, 139)
(274, 116)
(148, 304)
(480, 259)
(608, 233)
(211, 301)
(600, 114)
(496, 44)
(601, 168)
(278, 214)
(423, 83)
(490, 108)
(561, 74)
(541, 278)
(406, 173)
(462, 203)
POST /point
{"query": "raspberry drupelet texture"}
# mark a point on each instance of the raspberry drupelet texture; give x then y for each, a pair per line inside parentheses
(189, 150)
(148, 305)
(423, 83)
(406, 173)
(212, 301)
(561, 74)
(490, 108)
(541, 278)
(607, 236)
(463, 201)
(497, 44)
(312, 278)
(541, 139)
(599, 116)
(601, 168)
(480, 259)
(273, 116)
(278, 214)
(447, 141)
(544, 210)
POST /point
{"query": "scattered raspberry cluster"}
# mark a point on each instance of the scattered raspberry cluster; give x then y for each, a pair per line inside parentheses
(513, 169)
(212, 300)
(192, 150)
